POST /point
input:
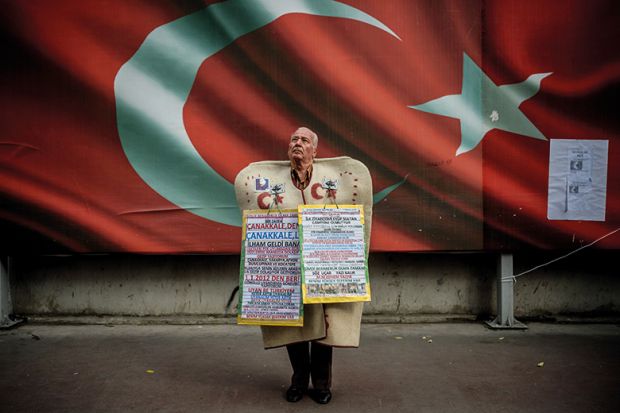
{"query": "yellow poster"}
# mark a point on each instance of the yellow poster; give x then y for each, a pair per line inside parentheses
(333, 254)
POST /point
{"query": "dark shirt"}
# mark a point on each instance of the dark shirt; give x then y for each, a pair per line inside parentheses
(299, 183)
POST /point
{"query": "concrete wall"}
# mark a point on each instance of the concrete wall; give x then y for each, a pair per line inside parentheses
(6, 306)
(402, 285)
(586, 284)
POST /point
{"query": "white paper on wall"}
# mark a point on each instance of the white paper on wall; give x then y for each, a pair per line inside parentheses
(577, 179)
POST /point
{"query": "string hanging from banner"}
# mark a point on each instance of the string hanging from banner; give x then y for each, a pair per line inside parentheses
(275, 191)
(514, 277)
(331, 195)
(330, 187)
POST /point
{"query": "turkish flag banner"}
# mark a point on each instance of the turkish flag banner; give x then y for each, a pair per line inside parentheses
(125, 123)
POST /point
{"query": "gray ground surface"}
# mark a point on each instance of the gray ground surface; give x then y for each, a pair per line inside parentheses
(223, 368)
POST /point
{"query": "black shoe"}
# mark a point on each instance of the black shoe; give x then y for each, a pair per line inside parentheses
(321, 396)
(294, 394)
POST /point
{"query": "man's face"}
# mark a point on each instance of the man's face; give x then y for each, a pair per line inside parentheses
(301, 148)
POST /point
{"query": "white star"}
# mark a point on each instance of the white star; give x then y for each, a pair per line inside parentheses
(479, 94)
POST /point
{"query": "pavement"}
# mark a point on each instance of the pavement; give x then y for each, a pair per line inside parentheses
(458, 367)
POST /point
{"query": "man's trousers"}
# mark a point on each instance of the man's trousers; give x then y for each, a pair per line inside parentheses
(311, 360)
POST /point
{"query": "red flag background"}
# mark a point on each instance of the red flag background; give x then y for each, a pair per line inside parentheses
(67, 185)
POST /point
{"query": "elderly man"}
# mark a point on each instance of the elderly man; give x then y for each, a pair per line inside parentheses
(302, 181)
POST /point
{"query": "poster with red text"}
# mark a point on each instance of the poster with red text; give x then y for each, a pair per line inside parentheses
(334, 265)
(270, 280)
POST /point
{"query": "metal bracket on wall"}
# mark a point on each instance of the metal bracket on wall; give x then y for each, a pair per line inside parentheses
(505, 296)
(7, 319)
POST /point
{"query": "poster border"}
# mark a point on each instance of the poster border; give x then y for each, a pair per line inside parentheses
(262, 321)
(326, 300)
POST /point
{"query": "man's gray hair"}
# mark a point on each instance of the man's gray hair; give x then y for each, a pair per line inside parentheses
(303, 131)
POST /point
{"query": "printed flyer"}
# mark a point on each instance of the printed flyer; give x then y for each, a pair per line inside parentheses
(270, 279)
(333, 254)
(577, 179)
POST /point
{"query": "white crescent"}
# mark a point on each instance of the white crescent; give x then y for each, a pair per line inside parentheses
(151, 89)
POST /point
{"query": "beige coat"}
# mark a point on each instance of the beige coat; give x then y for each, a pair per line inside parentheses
(332, 324)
